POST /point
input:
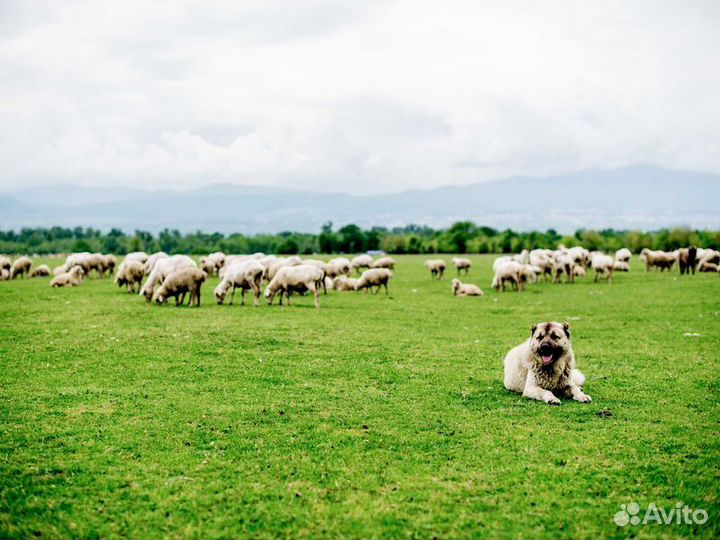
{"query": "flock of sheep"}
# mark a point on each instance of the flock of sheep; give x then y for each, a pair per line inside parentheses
(159, 276)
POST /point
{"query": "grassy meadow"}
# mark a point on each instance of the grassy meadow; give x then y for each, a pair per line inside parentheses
(372, 417)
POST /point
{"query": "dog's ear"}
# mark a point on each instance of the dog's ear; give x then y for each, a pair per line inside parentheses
(566, 328)
(532, 330)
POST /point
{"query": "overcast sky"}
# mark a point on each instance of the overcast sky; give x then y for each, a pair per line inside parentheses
(356, 96)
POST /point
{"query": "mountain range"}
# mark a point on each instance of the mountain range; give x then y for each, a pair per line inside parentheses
(637, 197)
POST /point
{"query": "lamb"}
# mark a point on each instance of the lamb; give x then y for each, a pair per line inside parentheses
(461, 264)
(20, 267)
(621, 266)
(180, 282)
(300, 278)
(465, 289)
(152, 261)
(623, 255)
(384, 262)
(71, 278)
(657, 259)
(436, 267)
(41, 271)
(706, 266)
(344, 283)
(130, 274)
(374, 277)
(509, 272)
(603, 266)
(163, 267)
(361, 261)
(246, 274)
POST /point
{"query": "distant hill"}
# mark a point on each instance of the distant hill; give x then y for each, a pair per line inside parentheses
(640, 197)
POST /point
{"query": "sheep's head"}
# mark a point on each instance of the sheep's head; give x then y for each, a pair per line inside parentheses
(455, 285)
(221, 291)
(148, 294)
(269, 294)
(160, 299)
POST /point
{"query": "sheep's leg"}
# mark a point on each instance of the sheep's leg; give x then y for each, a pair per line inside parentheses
(197, 295)
(242, 296)
(386, 289)
(288, 293)
(316, 294)
(232, 295)
(256, 294)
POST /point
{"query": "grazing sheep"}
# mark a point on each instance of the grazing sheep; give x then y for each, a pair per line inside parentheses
(687, 260)
(300, 278)
(71, 278)
(384, 262)
(110, 263)
(20, 267)
(213, 263)
(139, 256)
(623, 255)
(461, 264)
(522, 258)
(41, 271)
(152, 261)
(621, 266)
(339, 266)
(603, 266)
(710, 256)
(510, 272)
(436, 267)
(579, 271)
(130, 274)
(344, 283)
(246, 275)
(162, 267)
(4, 274)
(563, 263)
(5, 263)
(361, 261)
(465, 289)
(374, 277)
(706, 266)
(180, 282)
(541, 259)
(657, 259)
(499, 261)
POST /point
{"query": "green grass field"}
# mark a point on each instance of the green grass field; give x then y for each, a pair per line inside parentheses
(373, 417)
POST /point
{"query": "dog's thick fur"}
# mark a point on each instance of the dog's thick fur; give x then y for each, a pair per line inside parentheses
(544, 364)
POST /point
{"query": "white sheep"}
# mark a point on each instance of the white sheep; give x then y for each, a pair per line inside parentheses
(139, 256)
(247, 275)
(213, 262)
(20, 267)
(465, 289)
(384, 262)
(180, 282)
(436, 267)
(621, 266)
(603, 266)
(461, 264)
(300, 278)
(361, 261)
(162, 267)
(344, 283)
(374, 277)
(510, 272)
(623, 255)
(5, 263)
(706, 266)
(41, 271)
(4, 274)
(71, 278)
(339, 266)
(130, 274)
(152, 261)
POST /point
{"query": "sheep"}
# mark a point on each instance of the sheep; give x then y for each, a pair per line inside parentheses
(541, 259)
(436, 267)
(530, 272)
(657, 259)
(339, 266)
(152, 261)
(5, 263)
(563, 263)
(374, 277)
(710, 256)
(509, 272)
(603, 265)
(84, 260)
(461, 264)
(465, 289)
(687, 260)
(139, 256)
(623, 255)
(361, 261)
(4, 274)
(522, 258)
(384, 262)
(579, 271)
(20, 267)
(300, 278)
(232, 259)
(706, 266)
(109, 264)
(246, 274)
(621, 266)
(71, 278)
(344, 283)
(580, 255)
(180, 282)
(41, 271)
(499, 261)
(213, 262)
(162, 267)
(274, 266)
(130, 274)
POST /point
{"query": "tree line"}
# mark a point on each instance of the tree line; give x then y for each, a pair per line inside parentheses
(461, 237)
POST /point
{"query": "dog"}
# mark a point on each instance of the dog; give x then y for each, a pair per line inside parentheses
(544, 364)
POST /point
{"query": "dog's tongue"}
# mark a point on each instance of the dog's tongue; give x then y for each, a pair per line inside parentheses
(547, 358)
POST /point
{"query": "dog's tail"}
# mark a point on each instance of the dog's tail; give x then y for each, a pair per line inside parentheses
(577, 377)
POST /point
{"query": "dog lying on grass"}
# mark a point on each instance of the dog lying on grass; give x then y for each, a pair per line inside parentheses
(544, 364)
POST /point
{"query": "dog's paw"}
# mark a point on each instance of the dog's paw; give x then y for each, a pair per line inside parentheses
(583, 398)
(551, 399)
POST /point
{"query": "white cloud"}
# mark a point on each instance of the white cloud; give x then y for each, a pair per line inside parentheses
(353, 96)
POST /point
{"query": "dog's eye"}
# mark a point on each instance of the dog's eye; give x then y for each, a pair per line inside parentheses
(554, 336)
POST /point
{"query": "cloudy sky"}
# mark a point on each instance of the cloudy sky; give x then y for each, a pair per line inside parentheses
(364, 97)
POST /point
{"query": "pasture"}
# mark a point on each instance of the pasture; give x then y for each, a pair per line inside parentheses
(373, 417)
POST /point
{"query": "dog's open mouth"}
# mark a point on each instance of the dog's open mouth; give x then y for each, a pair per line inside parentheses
(547, 354)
